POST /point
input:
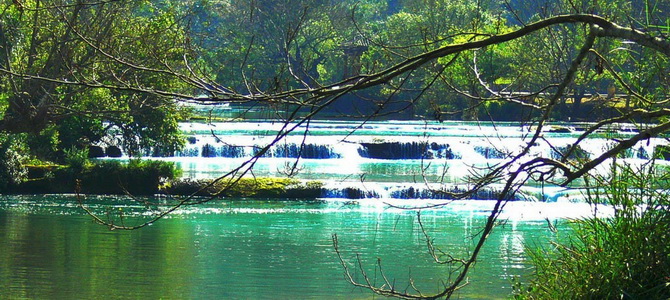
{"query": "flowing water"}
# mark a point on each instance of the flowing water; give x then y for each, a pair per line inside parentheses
(386, 159)
(241, 248)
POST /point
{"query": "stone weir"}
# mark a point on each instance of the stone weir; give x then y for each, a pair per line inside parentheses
(406, 150)
(283, 188)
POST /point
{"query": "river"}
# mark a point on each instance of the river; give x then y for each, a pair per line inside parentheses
(279, 248)
(251, 249)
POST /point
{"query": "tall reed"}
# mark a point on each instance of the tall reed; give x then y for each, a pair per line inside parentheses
(624, 256)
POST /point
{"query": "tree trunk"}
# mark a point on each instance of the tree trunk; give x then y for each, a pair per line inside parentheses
(577, 104)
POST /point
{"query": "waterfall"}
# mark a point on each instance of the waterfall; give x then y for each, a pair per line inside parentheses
(489, 152)
(287, 150)
(406, 150)
(293, 150)
(398, 159)
(396, 141)
(372, 190)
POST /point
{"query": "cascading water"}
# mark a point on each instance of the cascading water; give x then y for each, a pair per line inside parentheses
(392, 159)
(387, 190)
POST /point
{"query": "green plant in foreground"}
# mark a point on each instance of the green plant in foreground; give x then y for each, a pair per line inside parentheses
(626, 256)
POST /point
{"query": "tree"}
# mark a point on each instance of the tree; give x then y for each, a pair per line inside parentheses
(46, 45)
(575, 43)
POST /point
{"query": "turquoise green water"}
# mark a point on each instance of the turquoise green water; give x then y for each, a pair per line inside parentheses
(251, 249)
(241, 249)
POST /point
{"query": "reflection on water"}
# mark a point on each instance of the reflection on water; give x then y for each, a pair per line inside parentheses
(253, 249)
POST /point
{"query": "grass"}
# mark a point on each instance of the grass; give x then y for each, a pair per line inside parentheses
(626, 256)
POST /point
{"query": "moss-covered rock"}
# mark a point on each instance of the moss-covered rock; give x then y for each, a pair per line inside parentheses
(113, 151)
(260, 187)
(95, 151)
(305, 190)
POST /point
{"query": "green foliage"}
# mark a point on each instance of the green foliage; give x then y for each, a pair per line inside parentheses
(78, 131)
(142, 36)
(626, 256)
(44, 145)
(138, 177)
(12, 158)
(163, 170)
(248, 47)
(158, 128)
(662, 152)
(76, 159)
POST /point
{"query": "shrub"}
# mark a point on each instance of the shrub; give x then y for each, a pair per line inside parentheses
(45, 144)
(12, 158)
(77, 159)
(626, 256)
(140, 177)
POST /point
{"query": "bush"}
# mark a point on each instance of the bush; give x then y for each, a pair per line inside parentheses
(77, 159)
(12, 158)
(139, 177)
(44, 145)
(624, 257)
